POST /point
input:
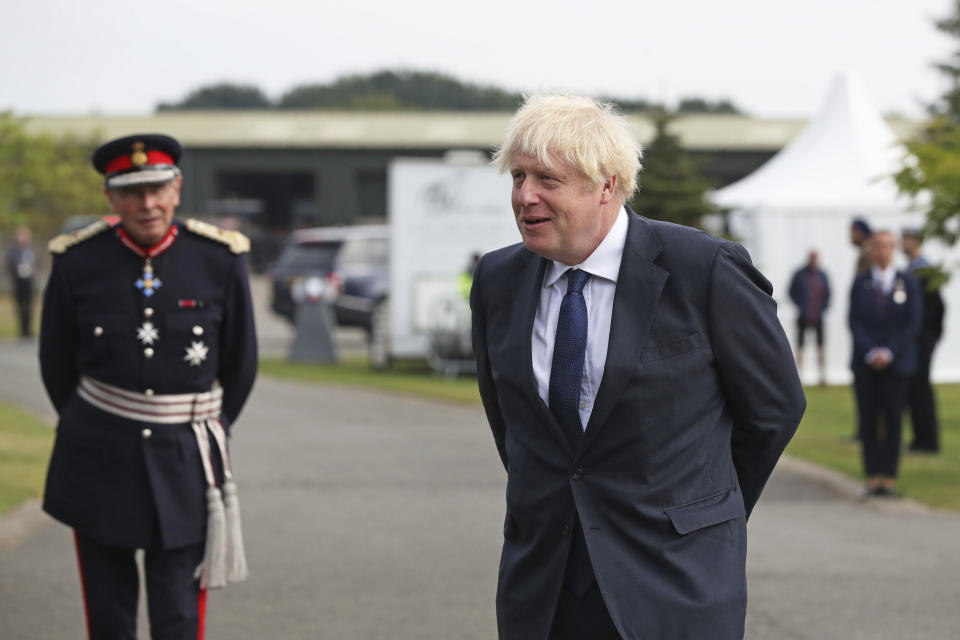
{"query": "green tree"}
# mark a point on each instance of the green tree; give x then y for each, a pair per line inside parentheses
(387, 89)
(931, 170)
(221, 96)
(671, 186)
(44, 180)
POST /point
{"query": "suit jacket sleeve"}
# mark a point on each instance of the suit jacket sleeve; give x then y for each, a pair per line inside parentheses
(761, 387)
(58, 366)
(238, 344)
(488, 392)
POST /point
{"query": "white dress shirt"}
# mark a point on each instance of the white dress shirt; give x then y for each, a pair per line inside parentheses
(603, 265)
(884, 279)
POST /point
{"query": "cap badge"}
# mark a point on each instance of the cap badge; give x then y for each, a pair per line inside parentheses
(138, 158)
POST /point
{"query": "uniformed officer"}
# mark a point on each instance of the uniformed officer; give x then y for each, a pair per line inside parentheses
(920, 397)
(148, 352)
(885, 316)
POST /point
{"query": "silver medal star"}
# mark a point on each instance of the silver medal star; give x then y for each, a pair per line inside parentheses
(196, 353)
(147, 333)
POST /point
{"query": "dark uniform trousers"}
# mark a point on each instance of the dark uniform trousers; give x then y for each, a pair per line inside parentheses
(923, 408)
(110, 583)
(880, 394)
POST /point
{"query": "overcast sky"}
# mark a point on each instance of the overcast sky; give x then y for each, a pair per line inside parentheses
(772, 58)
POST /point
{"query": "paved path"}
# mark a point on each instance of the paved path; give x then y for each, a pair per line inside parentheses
(371, 516)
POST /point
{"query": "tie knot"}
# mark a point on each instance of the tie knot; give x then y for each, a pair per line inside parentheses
(576, 279)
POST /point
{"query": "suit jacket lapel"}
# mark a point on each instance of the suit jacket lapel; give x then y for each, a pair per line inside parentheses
(525, 287)
(639, 285)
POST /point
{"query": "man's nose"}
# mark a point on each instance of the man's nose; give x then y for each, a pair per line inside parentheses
(527, 193)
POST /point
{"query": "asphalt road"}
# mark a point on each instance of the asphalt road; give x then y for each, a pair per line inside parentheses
(373, 516)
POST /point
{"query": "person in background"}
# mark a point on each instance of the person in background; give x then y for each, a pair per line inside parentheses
(465, 281)
(810, 291)
(639, 388)
(148, 352)
(885, 316)
(22, 265)
(860, 234)
(920, 397)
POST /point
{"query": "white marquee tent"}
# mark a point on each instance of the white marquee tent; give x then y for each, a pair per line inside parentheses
(805, 197)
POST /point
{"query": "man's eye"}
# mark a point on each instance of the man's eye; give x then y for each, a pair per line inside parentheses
(518, 178)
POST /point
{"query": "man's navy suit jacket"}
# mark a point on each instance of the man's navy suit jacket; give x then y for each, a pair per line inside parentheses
(699, 397)
(877, 319)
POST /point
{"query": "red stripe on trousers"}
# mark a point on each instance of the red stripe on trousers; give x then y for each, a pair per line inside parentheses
(202, 612)
(83, 585)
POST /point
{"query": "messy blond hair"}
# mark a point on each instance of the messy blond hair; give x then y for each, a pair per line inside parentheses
(592, 137)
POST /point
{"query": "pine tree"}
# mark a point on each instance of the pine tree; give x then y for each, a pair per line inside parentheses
(671, 186)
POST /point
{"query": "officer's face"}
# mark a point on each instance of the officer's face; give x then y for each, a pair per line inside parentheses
(881, 249)
(146, 210)
(560, 213)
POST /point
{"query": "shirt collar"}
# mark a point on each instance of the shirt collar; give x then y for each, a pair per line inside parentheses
(604, 262)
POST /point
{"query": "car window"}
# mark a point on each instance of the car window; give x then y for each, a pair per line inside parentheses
(367, 251)
(302, 257)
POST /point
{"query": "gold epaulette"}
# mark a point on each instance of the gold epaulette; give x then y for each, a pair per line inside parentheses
(66, 240)
(237, 242)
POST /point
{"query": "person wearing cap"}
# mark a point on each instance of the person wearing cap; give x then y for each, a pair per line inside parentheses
(884, 317)
(920, 398)
(148, 352)
(860, 234)
(639, 388)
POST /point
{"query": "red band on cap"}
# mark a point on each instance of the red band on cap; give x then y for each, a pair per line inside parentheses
(125, 162)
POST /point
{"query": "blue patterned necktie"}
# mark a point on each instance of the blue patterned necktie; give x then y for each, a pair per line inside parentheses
(569, 350)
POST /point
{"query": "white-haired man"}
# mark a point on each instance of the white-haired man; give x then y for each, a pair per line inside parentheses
(640, 390)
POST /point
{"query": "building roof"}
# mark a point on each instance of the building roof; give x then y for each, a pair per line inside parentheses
(403, 129)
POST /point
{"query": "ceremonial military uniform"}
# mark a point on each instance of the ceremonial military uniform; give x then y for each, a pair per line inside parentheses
(148, 354)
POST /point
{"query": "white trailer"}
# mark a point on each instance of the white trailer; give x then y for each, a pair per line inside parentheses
(441, 212)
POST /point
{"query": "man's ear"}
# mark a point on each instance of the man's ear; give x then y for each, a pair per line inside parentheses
(608, 189)
(110, 198)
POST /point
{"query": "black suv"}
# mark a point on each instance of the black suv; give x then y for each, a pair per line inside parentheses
(353, 260)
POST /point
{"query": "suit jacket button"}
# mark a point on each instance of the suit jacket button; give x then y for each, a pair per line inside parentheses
(565, 530)
(98, 331)
(148, 352)
(577, 474)
(146, 433)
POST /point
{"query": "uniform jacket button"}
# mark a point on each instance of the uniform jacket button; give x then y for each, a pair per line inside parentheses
(577, 474)
(565, 530)
(98, 331)
(197, 330)
(148, 312)
(146, 433)
(148, 392)
(148, 352)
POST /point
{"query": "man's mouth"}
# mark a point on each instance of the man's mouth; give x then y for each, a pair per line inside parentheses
(533, 221)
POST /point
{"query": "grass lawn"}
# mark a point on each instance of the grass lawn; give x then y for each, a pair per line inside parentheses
(25, 444)
(412, 377)
(9, 325)
(824, 438)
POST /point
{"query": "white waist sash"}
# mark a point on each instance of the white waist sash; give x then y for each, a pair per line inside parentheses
(224, 559)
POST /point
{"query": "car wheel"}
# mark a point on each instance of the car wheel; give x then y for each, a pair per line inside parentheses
(380, 337)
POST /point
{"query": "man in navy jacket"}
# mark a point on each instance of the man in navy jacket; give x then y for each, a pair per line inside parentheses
(640, 390)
